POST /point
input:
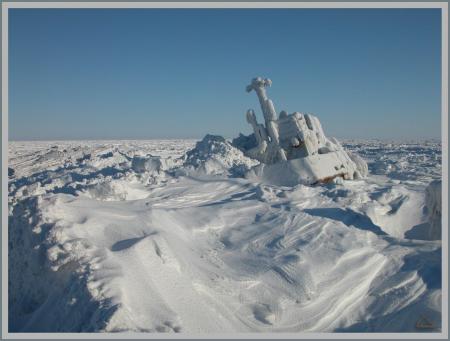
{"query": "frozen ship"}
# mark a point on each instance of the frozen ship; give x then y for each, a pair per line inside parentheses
(293, 148)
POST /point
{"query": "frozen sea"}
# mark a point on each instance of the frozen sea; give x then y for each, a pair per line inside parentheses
(97, 243)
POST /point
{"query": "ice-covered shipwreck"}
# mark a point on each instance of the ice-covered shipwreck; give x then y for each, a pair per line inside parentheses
(293, 148)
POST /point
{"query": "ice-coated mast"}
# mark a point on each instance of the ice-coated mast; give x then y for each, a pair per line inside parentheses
(259, 85)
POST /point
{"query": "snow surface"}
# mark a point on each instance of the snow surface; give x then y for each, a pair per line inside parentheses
(152, 236)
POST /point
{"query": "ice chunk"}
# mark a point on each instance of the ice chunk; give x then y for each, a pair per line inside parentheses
(362, 170)
(151, 164)
(214, 155)
(433, 202)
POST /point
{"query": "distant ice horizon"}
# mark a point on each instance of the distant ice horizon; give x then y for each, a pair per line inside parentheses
(404, 140)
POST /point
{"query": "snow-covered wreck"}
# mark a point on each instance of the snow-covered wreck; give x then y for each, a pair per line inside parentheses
(293, 148)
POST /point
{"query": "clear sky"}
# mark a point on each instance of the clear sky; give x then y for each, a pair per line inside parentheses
(151, 73)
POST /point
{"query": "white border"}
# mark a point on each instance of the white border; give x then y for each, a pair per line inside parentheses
(444, 137)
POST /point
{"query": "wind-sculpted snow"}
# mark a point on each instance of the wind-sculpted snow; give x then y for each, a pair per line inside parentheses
(120, 236)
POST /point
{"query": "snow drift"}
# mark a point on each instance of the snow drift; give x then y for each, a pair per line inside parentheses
(106, 236)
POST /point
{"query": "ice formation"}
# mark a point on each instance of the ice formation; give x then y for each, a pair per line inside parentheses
(95, 245)
(214, 155)
(293, 148)
(149, 163)
(433, 202)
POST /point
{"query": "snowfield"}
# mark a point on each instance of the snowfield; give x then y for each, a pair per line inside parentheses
(169, 236)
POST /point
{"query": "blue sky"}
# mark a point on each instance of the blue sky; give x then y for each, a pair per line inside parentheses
(168, 73)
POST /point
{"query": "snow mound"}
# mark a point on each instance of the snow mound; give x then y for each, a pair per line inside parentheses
(215, 255)
(105, 158)
(214, 155)
(128, 188)
(47, 276)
